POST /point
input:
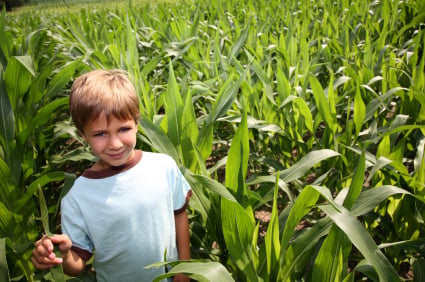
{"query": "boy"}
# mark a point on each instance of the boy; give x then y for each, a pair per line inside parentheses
(129, 208)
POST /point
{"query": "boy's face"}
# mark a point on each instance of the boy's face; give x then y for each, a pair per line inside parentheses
(112, 142)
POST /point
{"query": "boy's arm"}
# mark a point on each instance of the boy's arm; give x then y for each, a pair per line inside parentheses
(183, 242)
(182, 235)
(73, 264)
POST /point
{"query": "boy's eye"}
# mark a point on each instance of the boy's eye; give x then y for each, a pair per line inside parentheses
(99, 134)
(125, 129)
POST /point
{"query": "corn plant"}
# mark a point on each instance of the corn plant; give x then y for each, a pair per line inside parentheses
(310, 110)
(29, 99)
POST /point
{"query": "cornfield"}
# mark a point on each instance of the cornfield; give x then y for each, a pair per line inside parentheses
(311, 113)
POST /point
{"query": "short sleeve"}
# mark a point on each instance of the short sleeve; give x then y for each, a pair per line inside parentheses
(181, 192)
(73, 224)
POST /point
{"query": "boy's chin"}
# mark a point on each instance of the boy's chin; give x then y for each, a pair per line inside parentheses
(118, 161)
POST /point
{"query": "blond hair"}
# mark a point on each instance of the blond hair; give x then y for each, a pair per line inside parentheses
(103, 91)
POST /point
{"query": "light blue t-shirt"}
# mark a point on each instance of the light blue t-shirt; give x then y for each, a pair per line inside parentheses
(126, 217)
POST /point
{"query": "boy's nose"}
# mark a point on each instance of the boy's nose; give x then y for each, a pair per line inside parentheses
(115, 142)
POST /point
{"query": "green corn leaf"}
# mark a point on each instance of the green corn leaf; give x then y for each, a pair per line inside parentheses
(238, 227)
(189, 133)
(7, 185)
(373, 105)
(5, 44)
(78, 35)
(398, 129)
(365, 268)
(323, 105)
(419, 161)
(17, 78)
(4, 270)
(129, 46)
(415, 245)
(359, 236)
(158, 139)
(199, 271)
(145, 99)
(61, 79)
(224, 100)
(302, 248)
(240, 41)
(55, 176)
(205, 140)
(44, 212)
(261, 125)
(254, 180)
(222, 104)
(380, 163)
(27, 63)
(341, 81)
(226, 97)
(359, 112)
(305, 112)
(38, 87)
(195, 22)
(218, 56)
(57, 271)
(199, 161)
(331, 96)
(371, 198)
(283, 85)
(150, 66)
(356, 182)
(115, 53)
(237, 161)
(384, 148)
(264, 79)
(43, 115)
(300, 168)
(329, 263)
(173, 108)
(211, 185)
(271, 240)
(6, 221)
(303, 204)
(7, 117)
(201, 203)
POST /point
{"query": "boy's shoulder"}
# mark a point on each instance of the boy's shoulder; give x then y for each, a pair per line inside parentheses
(160, 158)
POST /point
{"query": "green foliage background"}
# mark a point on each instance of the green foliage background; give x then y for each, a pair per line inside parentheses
(313, 111)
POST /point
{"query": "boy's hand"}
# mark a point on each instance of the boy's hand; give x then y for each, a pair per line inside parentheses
(43, 255)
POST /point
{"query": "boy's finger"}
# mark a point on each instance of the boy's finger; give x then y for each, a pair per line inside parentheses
(62, 241)
(47, 243)
(45, 263)
(43, 256)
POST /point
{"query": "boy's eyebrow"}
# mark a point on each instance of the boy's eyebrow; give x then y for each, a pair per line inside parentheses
(95, 130)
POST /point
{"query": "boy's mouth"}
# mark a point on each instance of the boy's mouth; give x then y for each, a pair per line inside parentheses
(116, 155)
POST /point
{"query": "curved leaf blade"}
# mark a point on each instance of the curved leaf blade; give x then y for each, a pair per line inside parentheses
(359, 236)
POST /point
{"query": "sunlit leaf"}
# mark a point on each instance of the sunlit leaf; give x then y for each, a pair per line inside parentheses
(300, 168)
(362, 240)
(199, 271)
(238, 229)
(237, 162)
